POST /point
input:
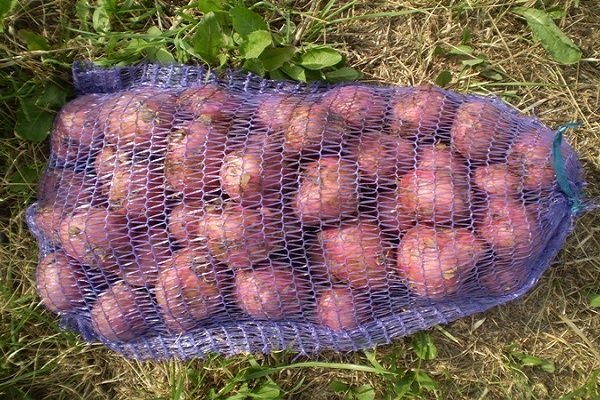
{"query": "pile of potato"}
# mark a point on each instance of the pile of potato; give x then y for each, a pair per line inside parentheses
(170, 209)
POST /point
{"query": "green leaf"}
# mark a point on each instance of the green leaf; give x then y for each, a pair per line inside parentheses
(561, 48)
(425, 381)
(208, 38)
(344, 74)
(319, 58)
(101, 20)
(160, 55)
(265, 391)
(246, 21)
(461, 49)
(444, 78)
(338, 386)
(34, 41)
(52, 97)
(33, 123)
(473, 62)
(255, 43)
(254, 65)
(207, 6)
(6, 7)
(423, 346)
(82, 10)
(294, 72)
(274, 57)
(23, 179)
(364, 392)
(595, 300)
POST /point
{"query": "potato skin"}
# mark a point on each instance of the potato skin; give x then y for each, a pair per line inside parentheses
(193, 161)
(394, 220)
(210, 103)
(498, 180)
(313, 129)
(95, 236)
(435, 262)
(355, 254)
(530, 157)
(510, 229)
(421, 112)
(359, 106)
(502, 278)
(240, 237)
(187, 290)
(270, 292)
(328, 191)
(435, 196)
(122, 313)
(62, 283)
(341, 308)
(274, 111)
(138, 120)
(183, 222)
(382, 158)
(481, 132)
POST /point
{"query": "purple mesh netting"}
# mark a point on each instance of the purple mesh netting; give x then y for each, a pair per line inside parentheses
(185, 213)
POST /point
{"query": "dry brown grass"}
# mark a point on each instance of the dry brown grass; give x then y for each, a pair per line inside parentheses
(552, 322)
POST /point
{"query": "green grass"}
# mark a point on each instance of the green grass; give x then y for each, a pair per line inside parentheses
(544, 346)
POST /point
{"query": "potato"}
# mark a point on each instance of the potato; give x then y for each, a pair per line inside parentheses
(62, 283)
(436, 262)
(509, 228)
(274, 111)
(138, 119)
(500, 279)
(183, 221)
(138, 190)
(341, 308)
(328, 191)
(60, 191)
(435, 196)
(107, 161)
(530, 157)
(355, 254)
(194, 157)
(271, 292)
(359, 106)
(255, 175)
(482, 132)
(187, 290)
(313, 130)
(75, 135)
(440, 155)
(421, 111)
(498, 180)
(382, 158)
(122, 313)
(151, 251)
(94, 236)
(210, 103)
(240, 237)
(393, 219)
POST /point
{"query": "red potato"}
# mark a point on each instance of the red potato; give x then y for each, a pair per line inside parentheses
(383, 158)
(359, 106)
(434, 196)
(531, 157)
(122, 313)
(139, 119)
(151, 251)
(313, 129)
(75, 134)
(61, 283)
(422, 111)
(440, 155)
(193, 161)
(393, 219)
(137, 190)
(211, 104)
(500, 280)
(271, 292)
(107, 161)
(183, 222)
(188, 290)
(355, 254)
(95, 236)
(255, 176)
(240, 237)
(341, 308)
(498, 180)
(328, 191)
(435, 262)
(274, 111)
(482, 132)
(512, 232)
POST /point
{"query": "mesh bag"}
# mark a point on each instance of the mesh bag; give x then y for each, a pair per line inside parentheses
(184, 213)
